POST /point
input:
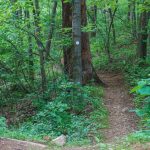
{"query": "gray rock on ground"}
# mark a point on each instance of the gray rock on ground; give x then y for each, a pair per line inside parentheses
(60, 141)
(13, 144)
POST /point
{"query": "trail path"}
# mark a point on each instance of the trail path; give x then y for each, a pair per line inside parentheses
(119, 103)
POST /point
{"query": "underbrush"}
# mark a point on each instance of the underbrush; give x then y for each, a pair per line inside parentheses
(143, 103)
(70, 109)
(137, 140)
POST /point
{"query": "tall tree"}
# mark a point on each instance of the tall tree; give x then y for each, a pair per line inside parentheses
(51, 29)
(36, 12)
(132, 18)
(88, 72)
(30, 48)
(108, 30)
(143, 35)
(86, 53)
(113, 25)
(93, 16)
(76, 29)
(67, 24)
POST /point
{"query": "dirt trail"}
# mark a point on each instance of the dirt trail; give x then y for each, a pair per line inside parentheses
(119, 103)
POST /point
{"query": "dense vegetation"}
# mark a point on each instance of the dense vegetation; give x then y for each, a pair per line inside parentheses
(50, 53)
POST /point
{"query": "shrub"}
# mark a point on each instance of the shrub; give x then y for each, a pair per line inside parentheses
(3, 125)
(143, 89)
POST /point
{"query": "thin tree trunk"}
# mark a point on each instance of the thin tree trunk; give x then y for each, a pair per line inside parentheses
(94, 19)
(134, 20)
(129, 10)
(36, 12)
(108, 34)
(30, 52)
(113, 25)
(51, 30)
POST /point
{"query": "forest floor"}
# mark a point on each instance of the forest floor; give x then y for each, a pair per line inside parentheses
(121, 120)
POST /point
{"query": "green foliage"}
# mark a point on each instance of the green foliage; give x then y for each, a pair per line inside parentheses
(3, 125)
(53, 118)
(143, 89)
(135, 72)
(65, 107)
(62, 114)
(5, 132)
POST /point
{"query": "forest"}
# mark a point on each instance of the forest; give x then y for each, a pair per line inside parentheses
(74, 74)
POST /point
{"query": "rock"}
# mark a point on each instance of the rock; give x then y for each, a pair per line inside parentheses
(60, 141)
(13, 144)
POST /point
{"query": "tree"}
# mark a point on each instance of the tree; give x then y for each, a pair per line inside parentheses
(88, 72)
(93, 16)
(86, 53)
(113, 25)
(36, 12)
(132, 18)
(143, 35)
(76, 30)
(67, 50)
(108, 30)
(51, 30)
(30, 48)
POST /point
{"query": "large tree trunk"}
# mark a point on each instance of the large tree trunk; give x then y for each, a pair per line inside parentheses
(86, 54)
(76, 30)
(67, 50)
(88, 71)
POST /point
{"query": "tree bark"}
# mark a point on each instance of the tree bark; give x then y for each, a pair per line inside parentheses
(67, 50)
(76, 30)
(143, 35)
(87, 68)
(86, 53)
